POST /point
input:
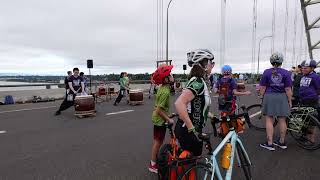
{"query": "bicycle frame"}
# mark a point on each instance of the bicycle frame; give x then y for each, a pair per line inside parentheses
(232, 137)
(301, 119)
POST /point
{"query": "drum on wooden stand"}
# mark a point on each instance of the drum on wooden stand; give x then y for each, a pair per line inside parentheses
(135, 97)
(84, 105)
(241, 87)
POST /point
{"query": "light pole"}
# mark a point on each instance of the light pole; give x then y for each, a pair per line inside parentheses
(167, 58)
(259, 51)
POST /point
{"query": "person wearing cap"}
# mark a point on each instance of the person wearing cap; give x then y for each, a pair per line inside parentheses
(309, 92)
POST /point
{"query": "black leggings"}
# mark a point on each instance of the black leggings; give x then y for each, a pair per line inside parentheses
(120, 96)
(66, 104)
(187, 140)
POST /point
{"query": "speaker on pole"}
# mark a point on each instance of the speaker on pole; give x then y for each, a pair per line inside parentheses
(89, 63)
(89, 66)
(184, 67)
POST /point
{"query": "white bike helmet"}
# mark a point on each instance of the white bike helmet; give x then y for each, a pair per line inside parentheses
(194, 57)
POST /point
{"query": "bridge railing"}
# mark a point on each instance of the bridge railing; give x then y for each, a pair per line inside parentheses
(61, 85)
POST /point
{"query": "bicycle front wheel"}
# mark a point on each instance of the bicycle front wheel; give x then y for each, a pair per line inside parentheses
(309, 136)
(256, 118)
(200, 171)
(244, 163)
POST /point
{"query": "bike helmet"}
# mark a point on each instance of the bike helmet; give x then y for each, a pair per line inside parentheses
(194, 57)
(162, 72)
(226, 69)
(276, 58)
(309, 63)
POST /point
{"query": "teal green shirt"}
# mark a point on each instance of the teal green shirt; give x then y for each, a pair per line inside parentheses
(123, 83)
(162, 101)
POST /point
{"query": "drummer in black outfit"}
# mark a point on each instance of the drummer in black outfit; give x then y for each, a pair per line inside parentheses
(66, 83)
(76, 86)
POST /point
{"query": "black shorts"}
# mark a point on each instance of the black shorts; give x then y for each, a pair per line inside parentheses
(187, 140)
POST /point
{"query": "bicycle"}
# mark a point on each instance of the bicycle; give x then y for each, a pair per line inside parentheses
(301, 120)
(210, 168)
(172, 157)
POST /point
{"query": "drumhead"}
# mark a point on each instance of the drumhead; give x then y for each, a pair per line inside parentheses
(83, 96)
(135, 90)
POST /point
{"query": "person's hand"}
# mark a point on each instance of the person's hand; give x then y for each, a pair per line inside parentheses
(170, 121)
(290, 104)
(248, 93)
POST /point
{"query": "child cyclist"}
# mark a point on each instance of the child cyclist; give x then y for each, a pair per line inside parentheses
(226, 87)
(309, 91)
(162, 76)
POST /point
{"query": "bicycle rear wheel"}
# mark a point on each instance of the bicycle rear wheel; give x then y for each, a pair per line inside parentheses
(200, 171)
(309, 136)
(163, 160)
(256, 117)
(244, 163)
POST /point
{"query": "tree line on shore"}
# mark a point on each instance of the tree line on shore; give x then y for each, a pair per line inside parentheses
(105, 77)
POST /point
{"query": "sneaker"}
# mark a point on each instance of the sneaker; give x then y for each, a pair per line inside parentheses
(267, 146)
(115, 104)
(153, 168)
(280, 145)
(57, 113)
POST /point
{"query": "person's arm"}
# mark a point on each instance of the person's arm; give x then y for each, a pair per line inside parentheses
(289, 95)
(82, 87)
(238, 93)
(181, 107)
(163, 114)
(71, 87)
(262, 90)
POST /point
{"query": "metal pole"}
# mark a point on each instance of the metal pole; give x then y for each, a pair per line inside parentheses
(259, 51)
(167, 58)
(90, 80)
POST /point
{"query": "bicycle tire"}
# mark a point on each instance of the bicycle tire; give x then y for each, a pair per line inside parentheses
(163, 161)
(200, 171)
(244, 163)
(301, 138)
(255, 117)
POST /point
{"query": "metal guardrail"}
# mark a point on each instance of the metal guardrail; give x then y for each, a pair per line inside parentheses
(61, 85)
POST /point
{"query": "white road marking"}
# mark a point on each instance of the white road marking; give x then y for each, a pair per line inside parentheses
(255, 114)
(119, 112)
(19, 110)
(2, 132)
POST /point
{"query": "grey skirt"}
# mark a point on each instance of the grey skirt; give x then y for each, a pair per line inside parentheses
(275, 104)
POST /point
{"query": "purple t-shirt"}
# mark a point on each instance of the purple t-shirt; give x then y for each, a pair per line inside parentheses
(309, 86)
(233, 84)
(76, 82)
(276, 80)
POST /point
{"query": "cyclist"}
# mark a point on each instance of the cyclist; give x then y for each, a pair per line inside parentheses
(309, 90)
(275, 87)
(194, 102)
(226, 87)
(162, 76)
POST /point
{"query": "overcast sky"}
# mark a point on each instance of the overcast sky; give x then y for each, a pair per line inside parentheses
(53, 36)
